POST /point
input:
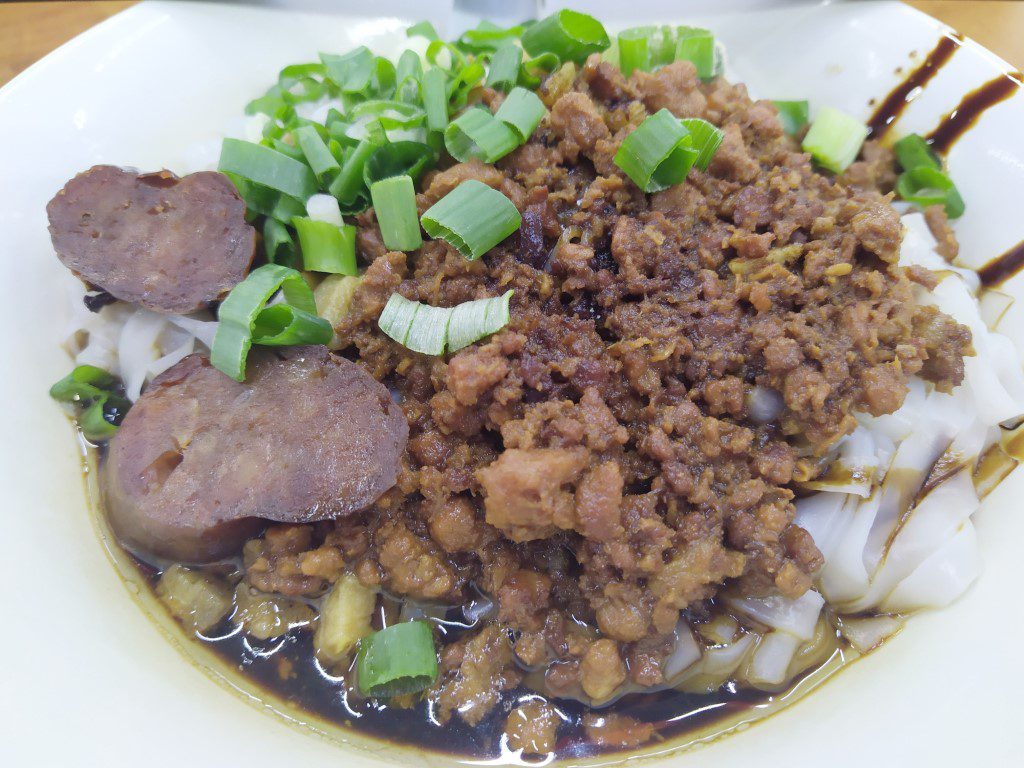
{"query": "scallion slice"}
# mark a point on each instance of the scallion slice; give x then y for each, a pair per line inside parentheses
(834, 139)
(317, 155)
(435, 99)
(697, 46)
(926, 186)
(326, 247)
(95, 392)
(423, 29)
(793, 115)
(410, 158)
(634, 49)
(503, 72)
(352, 71)
(705, 138)
(430, 330)
(243, 311)
(522, 110)
(473, 218)
(397, 660)
(658, 154)
(663, 46)
(278, 243)
(914, 152)
(348, 186)
(473, 320)
(265, 201)
(570, 35)
(476, 134)
(264, 166)
(394, 201)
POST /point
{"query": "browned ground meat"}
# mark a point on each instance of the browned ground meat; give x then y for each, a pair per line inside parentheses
(595, 461)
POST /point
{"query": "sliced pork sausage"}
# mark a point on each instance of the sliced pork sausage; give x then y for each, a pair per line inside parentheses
(170, 244)
(201, 459)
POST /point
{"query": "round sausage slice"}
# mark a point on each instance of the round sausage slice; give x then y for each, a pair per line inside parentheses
(200, 460)
(169, 244)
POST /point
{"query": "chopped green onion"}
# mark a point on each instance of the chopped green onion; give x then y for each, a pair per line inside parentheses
(326, 247)
(698, 47)
(95, 392)
(473, 218)
(397, 660)
(99, 421)
(278, 243)
(397, 316)
(522, 110)
(435, 99)
(408, 74)
(658, 154)
(926, 186)
(430, 330)
(478, 135)
(410, 158)
(663, 46)
(265, 201)
(793, 115)
(487, 37)
(570, 35)
(914, 152)
(242, 311)
(706, 139)
(533, 69)
(317, 155)
(834, 139)
(352, 71)
(391, 114)
(634, 49)
(268, 168)
(466, 79)
(348, 186)
(473, 320)
(503, 72)
(423, 29)
(84, 384)
(394, 201)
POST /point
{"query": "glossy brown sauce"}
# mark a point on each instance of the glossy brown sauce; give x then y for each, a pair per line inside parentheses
(285, 669)
(892, 106)
(971, 107)
(1002, 267)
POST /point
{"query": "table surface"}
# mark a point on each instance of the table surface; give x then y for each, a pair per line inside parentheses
(30, 30)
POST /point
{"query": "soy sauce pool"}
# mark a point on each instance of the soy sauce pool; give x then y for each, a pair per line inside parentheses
(284, 676)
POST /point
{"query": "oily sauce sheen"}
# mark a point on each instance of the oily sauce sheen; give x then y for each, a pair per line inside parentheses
(285, 669)
(971, 107)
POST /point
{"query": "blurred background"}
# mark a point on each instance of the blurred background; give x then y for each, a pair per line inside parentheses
(30, 30)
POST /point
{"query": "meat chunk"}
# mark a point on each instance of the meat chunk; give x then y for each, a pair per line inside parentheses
(531, 727)
(673, 87)
(200, 459)
(525, 491)
(576, 119)
(169, 244)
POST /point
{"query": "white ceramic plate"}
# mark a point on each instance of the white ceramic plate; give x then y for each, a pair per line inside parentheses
(87, 677)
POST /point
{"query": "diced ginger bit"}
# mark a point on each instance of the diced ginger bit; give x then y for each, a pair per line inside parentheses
(345, 615)
(196, 599)
(268, 616)
(333, 298)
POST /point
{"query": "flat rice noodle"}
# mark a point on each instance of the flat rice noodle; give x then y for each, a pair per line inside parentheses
(795, 617)
(931, 523)
(770, 663)
(942, 577)
(844, 577)
(685, 653)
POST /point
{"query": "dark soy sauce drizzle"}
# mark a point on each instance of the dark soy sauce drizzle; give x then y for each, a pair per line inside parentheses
(1002, 267)
(893, 105)
(971, 107)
